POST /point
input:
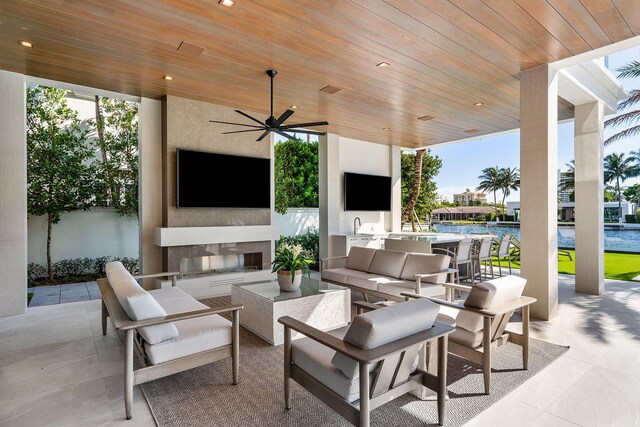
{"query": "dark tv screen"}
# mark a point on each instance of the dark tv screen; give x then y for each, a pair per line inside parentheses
(366, 192)
(210, 180)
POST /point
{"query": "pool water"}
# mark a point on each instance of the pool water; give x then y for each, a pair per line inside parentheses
(614, 239)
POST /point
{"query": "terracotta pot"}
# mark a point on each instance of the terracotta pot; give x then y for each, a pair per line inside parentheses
(285, 282)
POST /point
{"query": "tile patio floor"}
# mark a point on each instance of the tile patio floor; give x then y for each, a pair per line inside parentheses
(57, 369)
(60, 294)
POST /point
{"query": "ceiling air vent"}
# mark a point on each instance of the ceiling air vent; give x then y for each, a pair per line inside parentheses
(330, 89)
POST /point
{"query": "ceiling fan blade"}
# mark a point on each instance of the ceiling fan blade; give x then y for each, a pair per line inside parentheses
(304, 125)
(242, 131)
(310, 132)
(249, 117)
(279, 132)
(284, 116)
(266, 132)
(237, 124)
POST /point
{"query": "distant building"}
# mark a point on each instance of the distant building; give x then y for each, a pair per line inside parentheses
(468, 197)
(566, 211)
(460, 212)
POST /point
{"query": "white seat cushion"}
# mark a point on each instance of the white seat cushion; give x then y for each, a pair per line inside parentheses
(368, 280)
(194, 335)
(466, 338)
(423, 264)
(338, 275)
(399, 286)
(359, 258)
(388, 263)
(139, 305)
(315, 359)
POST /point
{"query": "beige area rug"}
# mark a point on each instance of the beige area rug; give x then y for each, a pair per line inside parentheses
(204, 396)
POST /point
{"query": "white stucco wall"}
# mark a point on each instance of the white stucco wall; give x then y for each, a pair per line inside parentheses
(297, 220)
(84, 234)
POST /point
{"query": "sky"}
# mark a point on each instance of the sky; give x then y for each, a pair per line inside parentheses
(463, 162)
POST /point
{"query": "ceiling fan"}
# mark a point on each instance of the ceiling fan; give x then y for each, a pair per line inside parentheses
(271, 124)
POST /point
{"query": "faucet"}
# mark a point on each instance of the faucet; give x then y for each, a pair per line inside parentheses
(355, 228)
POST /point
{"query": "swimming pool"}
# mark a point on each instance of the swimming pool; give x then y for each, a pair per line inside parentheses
(625, 240)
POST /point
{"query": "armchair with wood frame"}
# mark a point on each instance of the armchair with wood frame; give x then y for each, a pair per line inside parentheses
(482, 319)
(362, 366)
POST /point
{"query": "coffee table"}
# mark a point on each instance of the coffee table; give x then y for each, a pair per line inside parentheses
(319, 304)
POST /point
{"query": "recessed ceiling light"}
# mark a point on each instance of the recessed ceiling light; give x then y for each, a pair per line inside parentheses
(227, 3)
(25, 43)
(293, 107)
(385, 129)
(383, 65)
(167, 77)
(426, 118)
(478, 104)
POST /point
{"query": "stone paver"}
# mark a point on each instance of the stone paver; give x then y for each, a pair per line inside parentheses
(61, 294)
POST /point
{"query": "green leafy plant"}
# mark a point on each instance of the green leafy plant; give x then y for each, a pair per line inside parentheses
(75, 270)
(295, 175)
(310, 242)
(291, 258)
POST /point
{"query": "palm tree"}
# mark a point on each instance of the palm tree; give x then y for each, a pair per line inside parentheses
(618, 168)
(632, 69)
(509, 180)
(490, 181)
(568, 179)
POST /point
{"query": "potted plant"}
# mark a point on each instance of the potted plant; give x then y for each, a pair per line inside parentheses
(290, 263)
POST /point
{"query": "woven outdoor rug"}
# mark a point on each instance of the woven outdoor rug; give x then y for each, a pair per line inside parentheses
(204, 396)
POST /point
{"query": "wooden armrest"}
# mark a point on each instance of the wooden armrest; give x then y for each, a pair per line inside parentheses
(365, 305)
(333, 258)
(366, 356)
(437, 273)
(457, 287)
(180, 316)
(165, 274)
(493, 312)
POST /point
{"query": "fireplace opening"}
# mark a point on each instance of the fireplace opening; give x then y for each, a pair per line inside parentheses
(220, 264)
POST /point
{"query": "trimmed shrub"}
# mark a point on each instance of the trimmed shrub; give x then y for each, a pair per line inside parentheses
(310, 242)
(76, 270)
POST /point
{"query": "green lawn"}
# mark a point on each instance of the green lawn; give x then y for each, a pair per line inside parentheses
(616, 266)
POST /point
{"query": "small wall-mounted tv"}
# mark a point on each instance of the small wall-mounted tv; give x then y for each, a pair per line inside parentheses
(366, 192)
(210, 180)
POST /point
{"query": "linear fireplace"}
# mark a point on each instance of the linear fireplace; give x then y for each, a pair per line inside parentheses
(221, 264)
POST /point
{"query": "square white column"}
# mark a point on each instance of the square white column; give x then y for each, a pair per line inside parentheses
(329, 190)
(13, 194)
(538, 190)
(395, 167)
(589, 197)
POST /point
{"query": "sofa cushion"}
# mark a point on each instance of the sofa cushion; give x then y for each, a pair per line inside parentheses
(385, 325)
(487, 295)
(388, 263)
(368, 280)
(399, 286)
(113, 265)
(359, 258)
(426, 263)
(139, 305)
(466, 338)
(338, 275)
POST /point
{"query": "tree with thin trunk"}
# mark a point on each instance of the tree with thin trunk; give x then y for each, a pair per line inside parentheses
(617, 169)
(102, 146)
(509, 180)
(490, 182)
(59, 176)
(407, 212)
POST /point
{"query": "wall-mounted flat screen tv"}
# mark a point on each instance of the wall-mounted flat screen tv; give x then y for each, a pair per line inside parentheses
(210, 180)
(366, 192)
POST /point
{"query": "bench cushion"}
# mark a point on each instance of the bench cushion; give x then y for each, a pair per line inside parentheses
(368, 280)
(425, 263)
(359, 258)
(194, 335)
(399, 286)
(388, 263)
(338, 275)
(139, 304)
(385, 325)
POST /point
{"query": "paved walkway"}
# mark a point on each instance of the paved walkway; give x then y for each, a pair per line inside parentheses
(60, 294)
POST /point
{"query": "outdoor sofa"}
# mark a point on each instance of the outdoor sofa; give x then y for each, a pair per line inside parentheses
(386, 274)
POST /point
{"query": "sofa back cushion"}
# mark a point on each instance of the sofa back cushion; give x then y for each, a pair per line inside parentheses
(388, 263)
(385, 325)
(360, 258)
(139, 304)
(426, 263)
(487, 295)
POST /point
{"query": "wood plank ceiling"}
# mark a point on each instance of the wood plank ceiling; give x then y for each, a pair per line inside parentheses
(444, 56)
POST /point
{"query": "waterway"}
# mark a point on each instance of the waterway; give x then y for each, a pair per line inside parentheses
(626, 240)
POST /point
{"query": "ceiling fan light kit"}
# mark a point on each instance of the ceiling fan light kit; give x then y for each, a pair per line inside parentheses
(271, 124)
